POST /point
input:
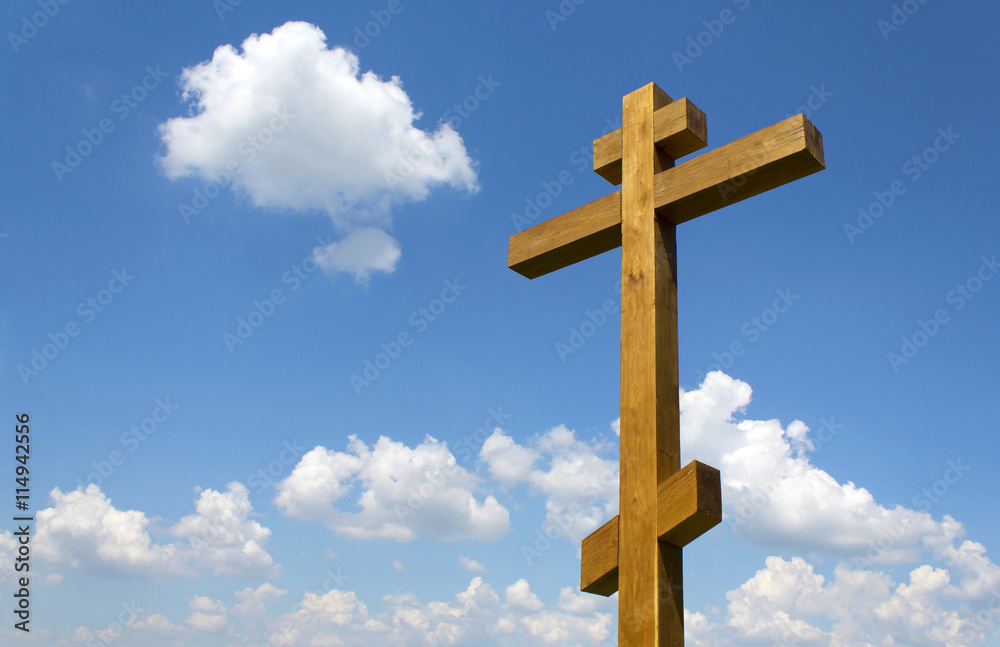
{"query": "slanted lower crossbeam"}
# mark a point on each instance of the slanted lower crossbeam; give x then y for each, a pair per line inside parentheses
(688, 504)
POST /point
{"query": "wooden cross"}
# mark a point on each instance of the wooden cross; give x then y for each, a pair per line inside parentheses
(661, 507)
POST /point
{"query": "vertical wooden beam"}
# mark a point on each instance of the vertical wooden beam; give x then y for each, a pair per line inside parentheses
(649, 570)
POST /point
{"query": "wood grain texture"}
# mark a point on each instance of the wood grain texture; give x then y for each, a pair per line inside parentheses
(574, 236)
(689, 504)
(662, 508)
(779, 154)
(679, 129)
(776, 155)
(599, 560)
(649, 604)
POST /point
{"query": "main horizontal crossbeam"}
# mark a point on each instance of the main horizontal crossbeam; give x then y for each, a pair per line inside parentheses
(586, 231)
(769, 158)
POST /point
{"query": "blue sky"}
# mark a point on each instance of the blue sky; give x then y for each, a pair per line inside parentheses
(219, 215)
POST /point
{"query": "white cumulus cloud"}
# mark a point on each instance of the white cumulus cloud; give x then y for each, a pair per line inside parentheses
(207, 622)
(294, 124)
(520, 596)
(84, 531)
(774, 496)
(929, 586)
(359, 253)
(400, 493)
(475, 616)
(579, 478)
(223, 538)
(470, 564)
(787, 602)
(206, 605)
